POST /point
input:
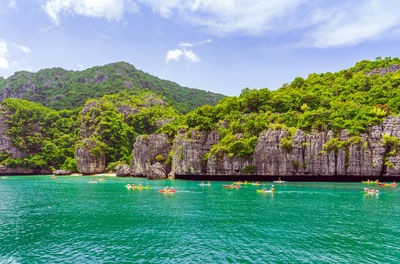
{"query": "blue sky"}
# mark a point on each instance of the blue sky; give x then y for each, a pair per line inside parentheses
(217, 45)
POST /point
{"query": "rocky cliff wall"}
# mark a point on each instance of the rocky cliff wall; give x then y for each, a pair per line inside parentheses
(6, 141)
(150, 155)
(366, 155)
(88, 162)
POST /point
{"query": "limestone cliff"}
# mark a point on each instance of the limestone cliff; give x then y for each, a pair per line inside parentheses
(149, 156)
(89, 162)
(366, 155)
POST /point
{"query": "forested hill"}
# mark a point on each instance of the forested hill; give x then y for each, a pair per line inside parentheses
(59, 89)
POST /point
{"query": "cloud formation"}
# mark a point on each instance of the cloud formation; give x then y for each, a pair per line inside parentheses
(22, 47)
(109, 9)
(317, 23)
(356, 22)
(186, 54)
(185, 51)
(224, 17)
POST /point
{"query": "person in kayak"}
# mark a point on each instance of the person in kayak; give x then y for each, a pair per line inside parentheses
(272, 188)
(140, 185)
(202, 184)
(264, 190)
(171, 189)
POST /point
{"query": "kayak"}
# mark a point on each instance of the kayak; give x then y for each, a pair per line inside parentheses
(255, 184)
(267, 191)
(279, 181)
(205, 184)
(166, 191)
(370, 182)
(387, 184)
(231, 186)
(143, 187)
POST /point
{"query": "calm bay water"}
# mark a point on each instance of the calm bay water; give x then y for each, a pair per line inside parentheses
(69, 220)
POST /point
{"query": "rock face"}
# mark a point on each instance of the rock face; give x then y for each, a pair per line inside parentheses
(149, 156)
(6, 141)
(87, 162)
(383, 71)
(366, 155)
(123, 171)
(62, 172)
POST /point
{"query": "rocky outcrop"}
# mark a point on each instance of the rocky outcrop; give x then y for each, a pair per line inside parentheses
(4, 170)
(61, 172)
(88, 160)
(157, 171)
(383, 71)
(123, 171)
(308, 155)
(6, 141)
(149, 156)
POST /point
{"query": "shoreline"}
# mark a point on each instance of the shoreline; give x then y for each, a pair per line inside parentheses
(263, 178)
(49, 174)
(308, 178)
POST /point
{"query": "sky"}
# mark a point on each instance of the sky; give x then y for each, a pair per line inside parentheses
(221, 46)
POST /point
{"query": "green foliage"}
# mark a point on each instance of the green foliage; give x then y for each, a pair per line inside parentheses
(160, 158)
(47, 137)
(70, 164)
(59, 89)
(249, 169)
(295, 165)
(286, 144)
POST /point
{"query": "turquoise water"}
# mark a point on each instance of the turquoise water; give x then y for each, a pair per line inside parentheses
(69, 220)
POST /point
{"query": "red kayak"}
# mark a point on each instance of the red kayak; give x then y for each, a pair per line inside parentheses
(387, 184)
(231, 186)
(166, 191)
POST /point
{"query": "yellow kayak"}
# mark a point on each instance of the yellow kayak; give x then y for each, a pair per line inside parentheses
(370, 182)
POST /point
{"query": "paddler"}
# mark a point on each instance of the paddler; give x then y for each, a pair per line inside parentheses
(272, 188)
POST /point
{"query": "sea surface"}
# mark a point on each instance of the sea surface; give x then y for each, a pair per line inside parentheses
(70, 220)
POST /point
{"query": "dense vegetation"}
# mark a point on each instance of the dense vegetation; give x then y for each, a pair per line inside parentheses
(352, 99)
(59, 89)
(49, 137)
(114, 122)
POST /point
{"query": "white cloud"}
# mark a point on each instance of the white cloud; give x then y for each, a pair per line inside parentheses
(3, 55)
(12, 4)
(177, 54)
(228, 16)
(80, 67)
(355, 23)
(174, 54)
(109, 9)
(317, 23)
(321, 23)
(22, 47)
(185, 44)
